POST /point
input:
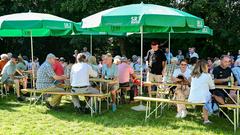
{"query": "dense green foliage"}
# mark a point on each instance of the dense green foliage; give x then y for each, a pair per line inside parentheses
(223, 16)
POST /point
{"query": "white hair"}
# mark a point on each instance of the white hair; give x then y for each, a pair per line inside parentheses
(216, 63)
(4, 56)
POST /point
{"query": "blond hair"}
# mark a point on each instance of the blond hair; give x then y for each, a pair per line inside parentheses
(199, 68)
(92, 60)
(109, 55)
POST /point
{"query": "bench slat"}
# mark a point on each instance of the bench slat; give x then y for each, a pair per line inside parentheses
(181, 102)
(63, 93)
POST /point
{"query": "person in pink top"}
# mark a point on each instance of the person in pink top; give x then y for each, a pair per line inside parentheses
(124, 70)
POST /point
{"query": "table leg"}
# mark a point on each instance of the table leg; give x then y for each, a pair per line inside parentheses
(108, 97)
(149, 108)
(234, 120)
(107, 87)
(100, 105)
(146, 113)
(237, 108)
(31, 96)
(91, 102)
(156, 113)
(95, 103)
(100, 87)
(107, 102)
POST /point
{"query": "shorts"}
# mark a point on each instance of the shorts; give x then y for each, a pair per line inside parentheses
(110, 86)
(126, 84)
(219, 93)
(155, 78)
(8, 81)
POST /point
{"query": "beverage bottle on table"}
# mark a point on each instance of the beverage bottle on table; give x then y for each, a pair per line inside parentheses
(229, 82)
(232, 79)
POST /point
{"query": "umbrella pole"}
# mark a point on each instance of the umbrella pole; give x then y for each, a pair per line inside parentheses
(169, 45)
(91, 44)
(141, 59)
(141, 107)
(33, 66)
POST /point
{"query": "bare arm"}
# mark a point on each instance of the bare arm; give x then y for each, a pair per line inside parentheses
(18, 71)
(174, 79)
(220, 81)
(164, 66)
(56, 77)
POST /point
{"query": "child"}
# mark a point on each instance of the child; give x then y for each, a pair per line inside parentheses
(181, 93)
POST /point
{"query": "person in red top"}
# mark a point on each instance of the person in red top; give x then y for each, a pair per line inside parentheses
(58, 68)
(3, 61)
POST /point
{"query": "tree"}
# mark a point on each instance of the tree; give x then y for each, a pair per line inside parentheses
(222, 16)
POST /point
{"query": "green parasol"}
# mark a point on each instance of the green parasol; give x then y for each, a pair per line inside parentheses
(34, 25)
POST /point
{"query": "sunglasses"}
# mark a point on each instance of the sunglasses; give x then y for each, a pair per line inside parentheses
(153, 44)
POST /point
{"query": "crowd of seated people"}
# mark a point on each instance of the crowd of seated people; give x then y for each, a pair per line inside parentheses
(195, 78)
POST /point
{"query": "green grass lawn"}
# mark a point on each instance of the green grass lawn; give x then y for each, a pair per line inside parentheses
(17, 118)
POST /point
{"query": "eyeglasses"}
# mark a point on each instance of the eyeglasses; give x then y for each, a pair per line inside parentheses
(153, 44)
(183, 64)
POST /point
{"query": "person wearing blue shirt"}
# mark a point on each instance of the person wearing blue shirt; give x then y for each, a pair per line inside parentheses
(168, 55)
(236, 70)
(110, 72)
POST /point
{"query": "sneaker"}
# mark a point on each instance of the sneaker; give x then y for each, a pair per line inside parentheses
(207, 122)
(184, 114)
(78, 109)
(114, 107)
(178, 115)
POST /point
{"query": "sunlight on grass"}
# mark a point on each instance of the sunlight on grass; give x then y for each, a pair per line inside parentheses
(18, 118)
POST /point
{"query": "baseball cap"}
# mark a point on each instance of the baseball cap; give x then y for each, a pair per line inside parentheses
(124, 59)
(62, 59)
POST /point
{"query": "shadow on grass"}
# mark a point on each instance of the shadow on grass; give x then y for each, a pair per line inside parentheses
(124, 116)
(9, 104)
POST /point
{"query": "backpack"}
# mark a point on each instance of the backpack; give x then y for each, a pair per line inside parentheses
(212, 107)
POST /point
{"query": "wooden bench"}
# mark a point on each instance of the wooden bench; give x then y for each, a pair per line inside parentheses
(93, 98)
(160, 101)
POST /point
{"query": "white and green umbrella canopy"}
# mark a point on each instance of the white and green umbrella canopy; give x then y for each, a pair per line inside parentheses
(201, 33)
(197, 33)
(153, 18)
(142, 18)
(32, 24)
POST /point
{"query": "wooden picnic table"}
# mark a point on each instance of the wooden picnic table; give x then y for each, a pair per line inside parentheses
(237, 89)
(102, 80)
(149, 84)
(223, 87)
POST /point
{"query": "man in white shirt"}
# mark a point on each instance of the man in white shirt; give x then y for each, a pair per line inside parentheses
(193, 53)
(86, 53)
(79, 79)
